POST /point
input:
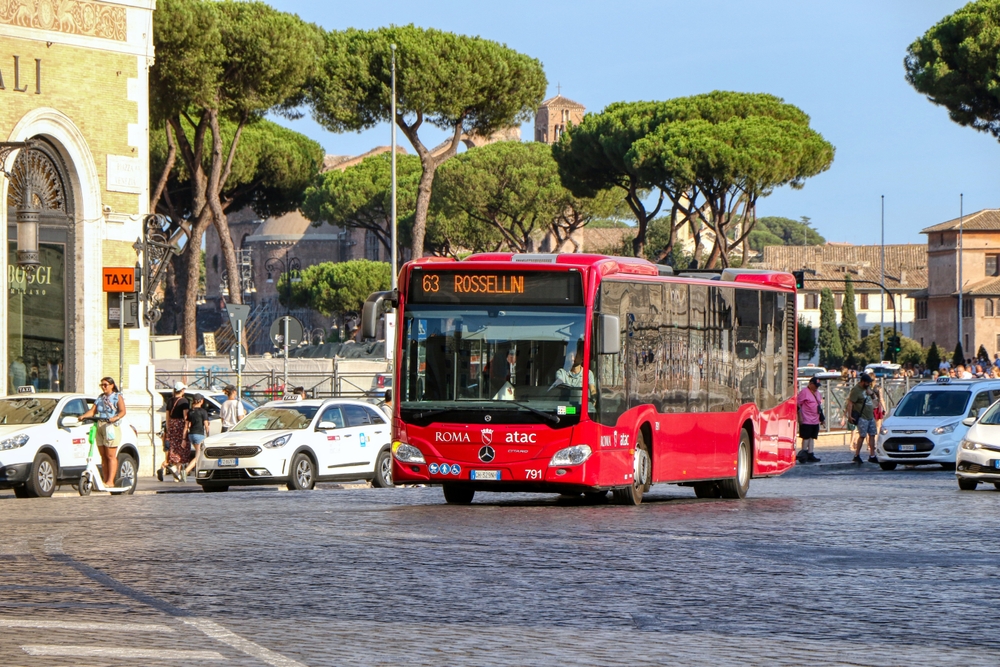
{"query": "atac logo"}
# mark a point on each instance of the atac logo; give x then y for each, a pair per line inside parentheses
(451, 436)
(521, 438)
(487, 435)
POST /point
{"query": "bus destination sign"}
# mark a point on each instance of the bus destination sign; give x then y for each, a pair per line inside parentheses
(539, 288)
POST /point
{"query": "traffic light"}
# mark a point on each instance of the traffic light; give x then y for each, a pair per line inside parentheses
(800, 279)
(897, 346)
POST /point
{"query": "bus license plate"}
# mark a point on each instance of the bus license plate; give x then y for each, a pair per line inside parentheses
(907, 448)
(228, 463)
(489, 475)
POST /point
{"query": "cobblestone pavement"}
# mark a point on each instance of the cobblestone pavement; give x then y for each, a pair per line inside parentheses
(832, 564)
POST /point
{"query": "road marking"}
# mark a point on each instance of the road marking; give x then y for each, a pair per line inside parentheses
(119, 653)
(84, 626)
(53, 546)
(15, 548)
(219, 633)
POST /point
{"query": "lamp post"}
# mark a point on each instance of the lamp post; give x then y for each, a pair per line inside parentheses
(288, 265)
(390, 321)
(26, 215)
(961, 225)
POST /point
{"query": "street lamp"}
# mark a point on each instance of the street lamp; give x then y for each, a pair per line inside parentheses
(26, 215)
(290, 265)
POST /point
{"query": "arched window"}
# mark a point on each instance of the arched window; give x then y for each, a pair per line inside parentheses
(988, 307)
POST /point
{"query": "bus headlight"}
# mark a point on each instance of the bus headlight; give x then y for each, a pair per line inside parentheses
(405, 453)
(571, 456)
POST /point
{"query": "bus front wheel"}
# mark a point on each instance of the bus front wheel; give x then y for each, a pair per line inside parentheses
(642, 475)
(738, 486)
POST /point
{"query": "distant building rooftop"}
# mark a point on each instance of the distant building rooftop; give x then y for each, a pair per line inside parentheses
(986, 220)
(905, 264)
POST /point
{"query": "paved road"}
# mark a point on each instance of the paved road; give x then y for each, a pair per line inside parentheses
(829, 565)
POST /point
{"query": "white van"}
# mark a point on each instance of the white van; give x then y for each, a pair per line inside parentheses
(926, 426)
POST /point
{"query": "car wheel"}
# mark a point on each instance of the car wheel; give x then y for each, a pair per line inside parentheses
(738, 486)
(42, 481)
(458, 495)
(642, 475)
(21, 492)
(707, 490)
(887, 465)
(86, 484)
(383, 470)
(303, 473)
(128, 473)
(214, 488)
(965, 484)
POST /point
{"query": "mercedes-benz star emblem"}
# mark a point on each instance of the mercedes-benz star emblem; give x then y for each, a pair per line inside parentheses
(486, 454)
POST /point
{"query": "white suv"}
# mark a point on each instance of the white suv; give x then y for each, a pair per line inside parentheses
(299, 443)
(43, 443)
(926, 427)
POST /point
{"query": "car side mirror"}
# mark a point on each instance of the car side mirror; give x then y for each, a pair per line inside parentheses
(969, 421)
(326, 426)
(69, 421)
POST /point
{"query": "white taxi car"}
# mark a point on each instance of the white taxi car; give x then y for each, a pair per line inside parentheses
(979, 455)
(43, 444)
(299, 443)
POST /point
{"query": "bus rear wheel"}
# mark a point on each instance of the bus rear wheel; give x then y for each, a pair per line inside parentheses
(642, 475)
(458, 495)
(738, 486)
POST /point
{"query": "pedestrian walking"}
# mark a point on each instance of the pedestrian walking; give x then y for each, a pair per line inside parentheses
(197, 417)
(179, 453)
(810, 415)
(860, 411)
(109, 409)
(232, 410)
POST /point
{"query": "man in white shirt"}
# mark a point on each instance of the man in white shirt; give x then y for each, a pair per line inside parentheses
(232, 410)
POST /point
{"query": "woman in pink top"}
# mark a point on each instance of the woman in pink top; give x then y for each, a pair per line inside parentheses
(810, 409)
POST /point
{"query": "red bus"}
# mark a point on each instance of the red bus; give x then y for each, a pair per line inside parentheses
(577, 373)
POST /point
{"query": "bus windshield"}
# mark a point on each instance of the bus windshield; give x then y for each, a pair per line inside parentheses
(522, 364)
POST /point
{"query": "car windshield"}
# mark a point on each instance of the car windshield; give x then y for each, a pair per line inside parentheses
(26, 410)
(479, 358)
(933, 404)
(992, 416)
(278, 418)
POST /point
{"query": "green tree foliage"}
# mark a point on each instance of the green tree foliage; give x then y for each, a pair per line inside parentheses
(807, 338)
(958, 357)
(910, 350)
(465, 85)
(361, 197)
(850, 335)
(933, 357)
(783, 231)
(955, 64)
(831, 354)
(219, 61)
(336, 287)
(514, 191)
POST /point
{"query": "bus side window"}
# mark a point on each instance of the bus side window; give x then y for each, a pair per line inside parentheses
(611, 378)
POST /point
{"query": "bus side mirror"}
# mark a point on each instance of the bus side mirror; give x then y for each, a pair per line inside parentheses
(610, 329)
(374, 308)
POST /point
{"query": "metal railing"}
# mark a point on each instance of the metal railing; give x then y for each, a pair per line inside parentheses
(835, 394)
(269, 385)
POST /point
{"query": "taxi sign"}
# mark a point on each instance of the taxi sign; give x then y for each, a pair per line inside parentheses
(119, 279)
(291, 397)
(26, 389)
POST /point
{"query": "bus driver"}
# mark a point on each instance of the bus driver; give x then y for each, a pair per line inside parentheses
(574, 376)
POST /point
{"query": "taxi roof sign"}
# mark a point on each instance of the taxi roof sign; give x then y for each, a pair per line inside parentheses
(119, 279)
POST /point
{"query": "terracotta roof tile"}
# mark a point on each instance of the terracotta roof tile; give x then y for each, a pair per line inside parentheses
(905, 264)
(560, 101)
(986, 220)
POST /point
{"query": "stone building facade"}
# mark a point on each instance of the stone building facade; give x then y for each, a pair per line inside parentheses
(829, 265)
(978, 253)
(554, 116)
(73, 82)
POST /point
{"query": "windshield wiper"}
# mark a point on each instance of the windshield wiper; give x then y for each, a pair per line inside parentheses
(547, 415)
(431, 413)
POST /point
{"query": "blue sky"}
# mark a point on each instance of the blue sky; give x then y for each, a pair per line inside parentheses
(840, 62)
